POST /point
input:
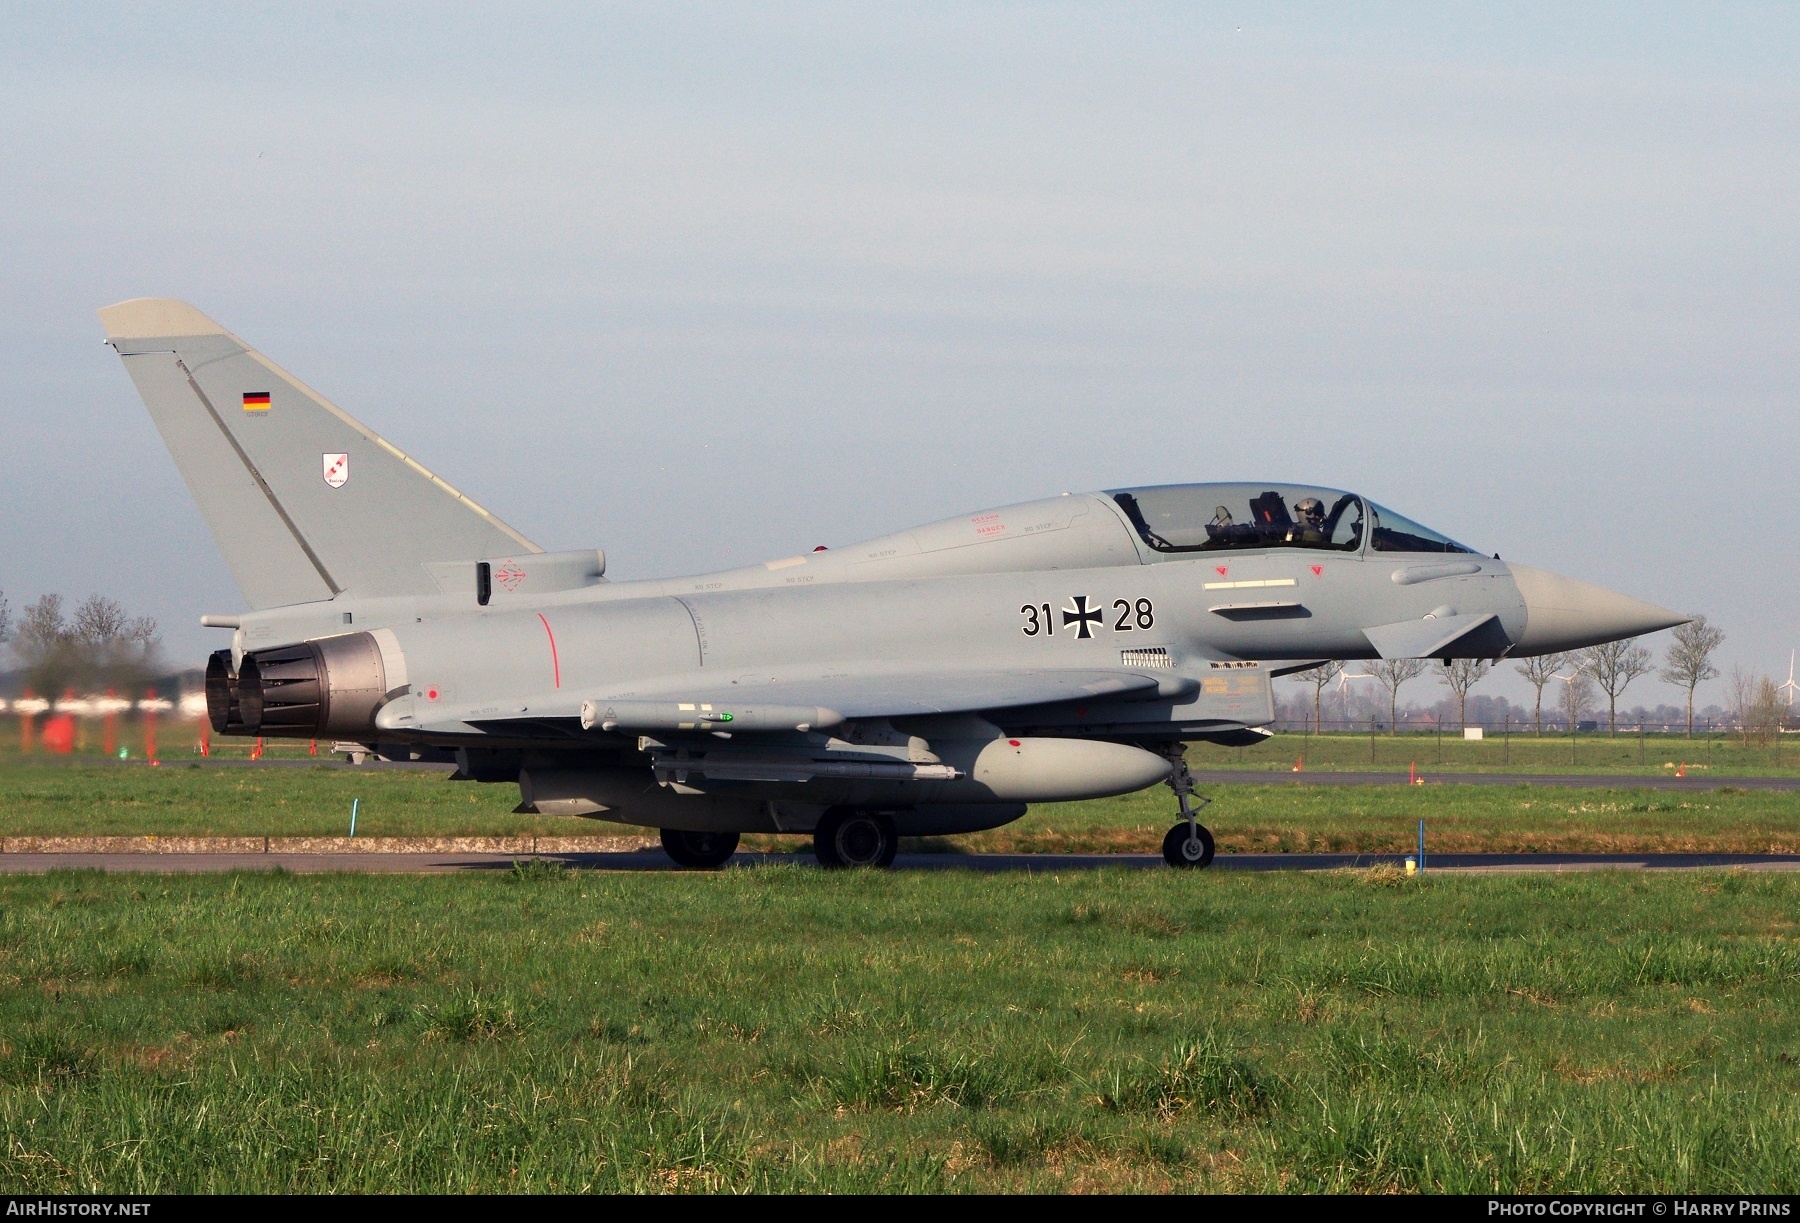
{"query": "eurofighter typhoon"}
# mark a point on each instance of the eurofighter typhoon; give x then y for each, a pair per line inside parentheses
(929, 682)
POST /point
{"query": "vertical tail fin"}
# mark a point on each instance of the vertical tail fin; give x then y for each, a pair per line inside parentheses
(304, 501)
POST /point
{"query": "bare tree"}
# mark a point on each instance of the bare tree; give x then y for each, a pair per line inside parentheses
(1757, 706)
(45, 644)
(1320, 678)
(1538, 672)
(1765, 712)
(1459, 675)
(1578, 694)
(101, 645)
(42, 627)
(1392, 672)
(98, 620)
(5, 619)
(1743, 691)
(102, 625)
(1614, 665)
(1690, 660)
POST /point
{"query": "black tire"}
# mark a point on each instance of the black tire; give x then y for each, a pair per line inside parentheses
(849, 837)
(699, 850)
(1179, 852)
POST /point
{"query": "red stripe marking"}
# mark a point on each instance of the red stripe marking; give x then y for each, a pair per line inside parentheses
(555, 664)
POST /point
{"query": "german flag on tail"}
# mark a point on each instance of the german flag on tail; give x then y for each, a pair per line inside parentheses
(256, 401)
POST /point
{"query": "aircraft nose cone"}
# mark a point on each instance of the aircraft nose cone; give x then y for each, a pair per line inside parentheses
(1564, 614)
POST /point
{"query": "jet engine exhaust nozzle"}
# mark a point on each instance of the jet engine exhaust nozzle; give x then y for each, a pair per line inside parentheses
(331, 686)
(222, 695)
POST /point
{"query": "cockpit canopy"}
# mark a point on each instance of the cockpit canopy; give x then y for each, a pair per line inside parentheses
(1256, 517)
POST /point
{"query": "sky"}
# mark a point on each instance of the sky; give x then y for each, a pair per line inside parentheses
(704, 285)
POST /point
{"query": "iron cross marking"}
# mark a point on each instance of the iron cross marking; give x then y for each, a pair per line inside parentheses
(1082, 616)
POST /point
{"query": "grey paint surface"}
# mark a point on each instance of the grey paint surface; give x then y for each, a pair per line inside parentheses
(975, 660)
(260, 475)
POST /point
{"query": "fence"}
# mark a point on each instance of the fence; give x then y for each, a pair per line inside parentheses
(1426, 724)
(1512, 741)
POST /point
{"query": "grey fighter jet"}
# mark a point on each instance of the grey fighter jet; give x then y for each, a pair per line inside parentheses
(933, 681)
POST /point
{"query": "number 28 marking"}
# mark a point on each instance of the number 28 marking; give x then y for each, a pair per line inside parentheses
(1139, 615)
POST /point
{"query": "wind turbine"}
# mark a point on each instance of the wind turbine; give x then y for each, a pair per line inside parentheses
(1343, 688)
(1790, 687)
(1568, 682)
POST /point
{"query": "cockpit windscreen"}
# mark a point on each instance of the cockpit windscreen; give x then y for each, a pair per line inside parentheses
(1243, 517)
(1396, 534)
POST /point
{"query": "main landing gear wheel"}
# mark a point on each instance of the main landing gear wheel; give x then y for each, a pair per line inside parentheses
(1188, 849)
(699, 850)
(1188, 845)
(849, 837)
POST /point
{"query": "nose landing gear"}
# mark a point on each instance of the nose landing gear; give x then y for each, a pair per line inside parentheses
(1188, 845)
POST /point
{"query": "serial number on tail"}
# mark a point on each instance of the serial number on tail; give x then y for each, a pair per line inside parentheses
(1082, 621)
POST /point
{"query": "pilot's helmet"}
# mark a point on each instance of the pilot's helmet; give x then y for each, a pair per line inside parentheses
(1311, 510)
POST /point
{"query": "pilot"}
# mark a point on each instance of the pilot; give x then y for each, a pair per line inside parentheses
(1309, 522)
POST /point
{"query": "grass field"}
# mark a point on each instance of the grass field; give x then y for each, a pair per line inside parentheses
(1384, 819)
(790, 1029)
(186, 799)
(97, 799)
(1592, 752)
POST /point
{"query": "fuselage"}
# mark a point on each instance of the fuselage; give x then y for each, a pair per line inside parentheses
(1066, 582)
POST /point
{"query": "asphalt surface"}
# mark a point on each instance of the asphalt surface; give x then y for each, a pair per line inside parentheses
(655, 860)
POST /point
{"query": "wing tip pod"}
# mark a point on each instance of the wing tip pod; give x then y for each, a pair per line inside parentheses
(144, 317)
